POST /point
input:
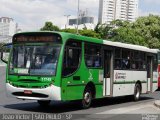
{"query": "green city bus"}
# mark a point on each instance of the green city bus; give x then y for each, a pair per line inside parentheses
(60, 66)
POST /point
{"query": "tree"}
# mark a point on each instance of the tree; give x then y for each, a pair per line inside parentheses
(149, 28)
(68, 30)
(1, 44)
(103, 30)
(89, 33)
(144, 31)
(49, 27)
(84, 32)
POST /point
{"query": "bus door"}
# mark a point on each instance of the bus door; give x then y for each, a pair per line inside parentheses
(149, 73)
(107, 82)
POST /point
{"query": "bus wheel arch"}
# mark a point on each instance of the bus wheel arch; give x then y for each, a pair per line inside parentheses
(92, 87)
(88, 95)
(139, 82)
(137, 90)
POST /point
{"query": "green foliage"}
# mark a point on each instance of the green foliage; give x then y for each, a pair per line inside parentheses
(69, 31)
(89, 33)
(149, 28)
(49, 27)
(144, 31)
(3, 49)
(103, 30)
(84, 32)
(1, 44)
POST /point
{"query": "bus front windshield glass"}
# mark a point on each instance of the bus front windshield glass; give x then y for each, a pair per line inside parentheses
(34, 60)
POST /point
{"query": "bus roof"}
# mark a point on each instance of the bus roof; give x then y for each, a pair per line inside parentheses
(96, 40)
(130, 46)
(117, 44)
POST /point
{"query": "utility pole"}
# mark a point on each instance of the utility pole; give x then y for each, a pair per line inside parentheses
(78, 17)
(67, 21)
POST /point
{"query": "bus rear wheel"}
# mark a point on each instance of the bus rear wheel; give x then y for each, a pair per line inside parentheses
(87, 98)
(44, 103)
(137, 92)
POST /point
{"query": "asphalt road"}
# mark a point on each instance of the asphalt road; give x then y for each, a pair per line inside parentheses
(107, 108)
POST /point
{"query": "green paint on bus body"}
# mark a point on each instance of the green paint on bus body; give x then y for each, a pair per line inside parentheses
(70, 89)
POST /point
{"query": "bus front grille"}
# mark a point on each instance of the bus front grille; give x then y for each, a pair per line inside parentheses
(25, 85)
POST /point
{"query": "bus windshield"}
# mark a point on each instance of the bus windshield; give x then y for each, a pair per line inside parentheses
(34, 60)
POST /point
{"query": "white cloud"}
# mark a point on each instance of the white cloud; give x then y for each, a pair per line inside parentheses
(31, 14)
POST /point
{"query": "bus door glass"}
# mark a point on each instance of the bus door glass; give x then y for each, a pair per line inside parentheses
(149, 73)
(107, 70)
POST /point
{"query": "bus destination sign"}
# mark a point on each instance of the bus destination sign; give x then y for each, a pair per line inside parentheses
(37, 38)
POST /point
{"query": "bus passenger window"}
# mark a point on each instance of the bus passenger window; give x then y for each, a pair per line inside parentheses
(118, 59)
(155, 62)
(126, 59)
(133, 66)
(126, 64)
(72, 57)
(90, 61)
(117, 64)
(92, 55)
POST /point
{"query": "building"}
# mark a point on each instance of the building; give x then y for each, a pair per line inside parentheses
(110, 10)
(81, 20)
(84, 21)
(7, 29)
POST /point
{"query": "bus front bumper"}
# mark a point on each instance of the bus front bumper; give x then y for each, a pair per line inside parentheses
(50, 93)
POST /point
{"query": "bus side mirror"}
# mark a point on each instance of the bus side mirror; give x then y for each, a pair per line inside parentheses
(5, 49)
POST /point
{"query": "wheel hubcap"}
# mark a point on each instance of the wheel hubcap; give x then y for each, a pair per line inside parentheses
(138, 93)
(87, 97)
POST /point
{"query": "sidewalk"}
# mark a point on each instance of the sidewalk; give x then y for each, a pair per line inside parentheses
(2, 65)
(157, 103)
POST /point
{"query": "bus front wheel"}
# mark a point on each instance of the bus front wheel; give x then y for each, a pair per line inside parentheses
(44, 103)
(137, 92)
(87, 98)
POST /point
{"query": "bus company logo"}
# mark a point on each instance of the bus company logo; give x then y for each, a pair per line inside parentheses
(116, 76)
(90, 76)
(120, 75)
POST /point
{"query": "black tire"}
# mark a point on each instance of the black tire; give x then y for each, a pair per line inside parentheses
(137, 92)
(43, 103)
(87, 98)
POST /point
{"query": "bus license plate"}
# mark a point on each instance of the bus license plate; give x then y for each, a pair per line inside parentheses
(27, 92)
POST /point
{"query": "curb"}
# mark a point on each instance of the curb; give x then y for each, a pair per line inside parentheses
(157, 103)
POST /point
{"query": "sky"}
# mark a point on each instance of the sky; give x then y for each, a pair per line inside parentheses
(32, 14)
